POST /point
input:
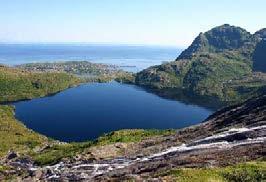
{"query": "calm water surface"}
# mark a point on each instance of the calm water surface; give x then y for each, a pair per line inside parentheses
(87, 111)
(128, 57)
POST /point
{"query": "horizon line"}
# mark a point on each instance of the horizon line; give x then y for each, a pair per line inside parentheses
(92, 43)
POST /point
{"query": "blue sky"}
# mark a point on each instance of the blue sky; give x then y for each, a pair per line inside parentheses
(161, 22)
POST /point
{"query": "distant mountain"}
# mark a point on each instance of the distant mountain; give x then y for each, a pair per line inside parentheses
(219, 63)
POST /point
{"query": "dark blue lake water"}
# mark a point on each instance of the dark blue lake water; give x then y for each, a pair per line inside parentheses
(129, 57)
(87, 111)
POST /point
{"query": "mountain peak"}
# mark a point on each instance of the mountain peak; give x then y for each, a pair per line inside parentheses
(224, 37)
(228, 30)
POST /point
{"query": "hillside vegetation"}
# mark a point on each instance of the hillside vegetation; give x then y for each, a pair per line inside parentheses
(218, 63)
(15, 136)
(17, 84)
(245, 172)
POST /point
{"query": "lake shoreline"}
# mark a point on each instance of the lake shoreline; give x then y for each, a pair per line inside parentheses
(136, 103)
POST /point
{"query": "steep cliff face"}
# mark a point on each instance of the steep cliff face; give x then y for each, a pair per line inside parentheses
(217, 63)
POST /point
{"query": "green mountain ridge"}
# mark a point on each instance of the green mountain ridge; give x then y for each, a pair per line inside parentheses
(217, 63)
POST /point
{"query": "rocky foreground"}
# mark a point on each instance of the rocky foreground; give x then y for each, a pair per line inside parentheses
(232, 135)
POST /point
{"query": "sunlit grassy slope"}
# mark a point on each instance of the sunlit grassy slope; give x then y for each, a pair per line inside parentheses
(16, 84)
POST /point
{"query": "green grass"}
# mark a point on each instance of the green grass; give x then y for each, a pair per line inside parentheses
(3, 168)
(131, 135)
(195, 175)
(16, 84)
(245, 172)
(56, 153)
(14, 135)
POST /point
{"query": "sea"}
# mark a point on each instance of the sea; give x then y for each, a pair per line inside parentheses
(132, 58)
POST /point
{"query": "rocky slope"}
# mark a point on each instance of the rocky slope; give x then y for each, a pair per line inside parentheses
(232, 135)
(213, 63)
